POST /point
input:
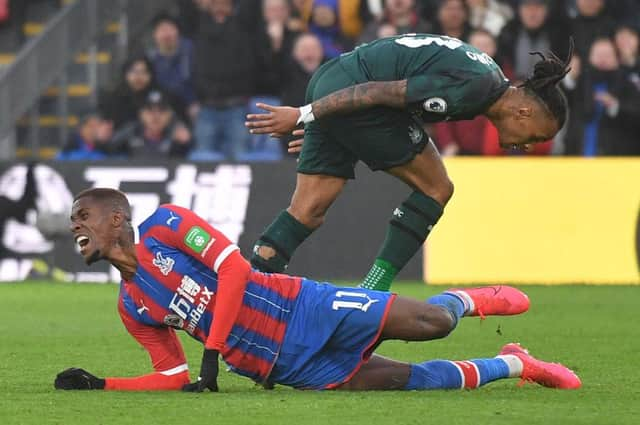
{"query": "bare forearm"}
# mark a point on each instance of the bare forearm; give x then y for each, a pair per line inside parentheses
(362, 96)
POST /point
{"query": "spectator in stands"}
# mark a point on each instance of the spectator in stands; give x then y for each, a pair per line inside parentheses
(338, 23)
(158, 133)
(90, 141)
(453, 19)
(172, 59)
(399, 17)
(230, 57)
(605, 106)
(627, 42)
(276, 15)
(591, 22)
(122, 104)
(532, 31)
(489, 15)
(281, 38)
(306, 58)
(325, 23)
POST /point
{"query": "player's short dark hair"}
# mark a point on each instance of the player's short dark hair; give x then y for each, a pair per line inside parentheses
(116, 199)
(543, 83)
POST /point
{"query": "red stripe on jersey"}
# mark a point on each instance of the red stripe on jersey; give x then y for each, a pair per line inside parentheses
(153, 310)
(284, 285)
(261, 323)
(247, 362)
(209, 255)
(471, 374)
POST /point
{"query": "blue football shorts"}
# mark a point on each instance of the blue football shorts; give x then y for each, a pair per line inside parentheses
(332, 332)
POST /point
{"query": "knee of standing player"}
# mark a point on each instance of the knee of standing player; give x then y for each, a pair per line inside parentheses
(444, 191)
(441, 190)
(311, 213)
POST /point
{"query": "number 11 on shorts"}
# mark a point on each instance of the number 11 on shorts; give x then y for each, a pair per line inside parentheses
(357, 302)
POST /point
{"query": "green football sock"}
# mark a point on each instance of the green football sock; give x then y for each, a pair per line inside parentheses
(407, 231)
(284, 236)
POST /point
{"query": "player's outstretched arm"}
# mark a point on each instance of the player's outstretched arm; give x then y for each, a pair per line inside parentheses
(165, 351)
(281, 120)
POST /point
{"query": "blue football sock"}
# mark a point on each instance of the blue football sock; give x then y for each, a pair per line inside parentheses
(445, 374)
(454, 304)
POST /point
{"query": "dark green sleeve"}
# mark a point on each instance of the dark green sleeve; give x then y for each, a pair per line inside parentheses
(435, 93)
(454, 94)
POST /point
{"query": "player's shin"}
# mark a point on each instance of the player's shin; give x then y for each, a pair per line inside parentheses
(445, 374)
(277, 244)
(408, 229)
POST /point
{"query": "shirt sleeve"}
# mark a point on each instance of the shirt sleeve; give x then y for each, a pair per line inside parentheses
(195, 236)
(233, 275)
(191, 234)
(167, 357)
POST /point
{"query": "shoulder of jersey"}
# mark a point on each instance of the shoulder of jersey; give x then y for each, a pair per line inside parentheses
(163, 216)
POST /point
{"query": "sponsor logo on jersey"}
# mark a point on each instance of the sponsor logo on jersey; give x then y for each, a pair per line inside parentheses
(142, 309)
(435, 104)
(165, 264)
(197, 238)
(190, 302)
(173, 221)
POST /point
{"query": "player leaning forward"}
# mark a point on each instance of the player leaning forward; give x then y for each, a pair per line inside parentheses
(370, 105)
(274, 329)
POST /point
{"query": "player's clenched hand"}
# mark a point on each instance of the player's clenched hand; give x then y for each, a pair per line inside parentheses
(208, 374)
(295, 146)
(277, 120)
(78, 379)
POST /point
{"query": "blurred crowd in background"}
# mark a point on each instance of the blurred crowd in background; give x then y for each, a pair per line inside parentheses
(207, 62)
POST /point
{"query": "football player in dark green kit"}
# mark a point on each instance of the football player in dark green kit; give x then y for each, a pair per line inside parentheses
(369, 105)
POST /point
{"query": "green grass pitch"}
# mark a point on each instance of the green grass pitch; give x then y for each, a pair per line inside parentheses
(45, 328)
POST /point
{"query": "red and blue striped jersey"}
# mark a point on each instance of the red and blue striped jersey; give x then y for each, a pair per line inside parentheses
(191, 277)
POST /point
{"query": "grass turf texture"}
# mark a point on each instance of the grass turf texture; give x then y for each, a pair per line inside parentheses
(593, 329)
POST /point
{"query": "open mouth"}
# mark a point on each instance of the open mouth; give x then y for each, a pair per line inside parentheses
(82, 241)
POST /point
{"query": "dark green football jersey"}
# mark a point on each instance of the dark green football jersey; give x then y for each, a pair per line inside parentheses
(446, 78)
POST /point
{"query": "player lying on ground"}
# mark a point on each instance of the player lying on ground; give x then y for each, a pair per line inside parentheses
(370, 105)
(274, 329)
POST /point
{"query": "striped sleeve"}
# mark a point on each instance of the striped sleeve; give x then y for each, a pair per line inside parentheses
(167, 357)
(191, 234)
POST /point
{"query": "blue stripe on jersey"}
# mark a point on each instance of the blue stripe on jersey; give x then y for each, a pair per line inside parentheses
(267, 301)
(253, 343)
(160, 294)
(185, 265)
(131, 308)
(161, 217)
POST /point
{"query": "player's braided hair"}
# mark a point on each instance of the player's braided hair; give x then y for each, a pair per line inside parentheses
(543, 83)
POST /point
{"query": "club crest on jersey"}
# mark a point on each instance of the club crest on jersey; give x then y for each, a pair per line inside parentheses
(415, 134)
(173, 321)
(435, 104)
(165, 264)
(197, 238)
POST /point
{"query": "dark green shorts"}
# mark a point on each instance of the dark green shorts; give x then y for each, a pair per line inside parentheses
(380, 137)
